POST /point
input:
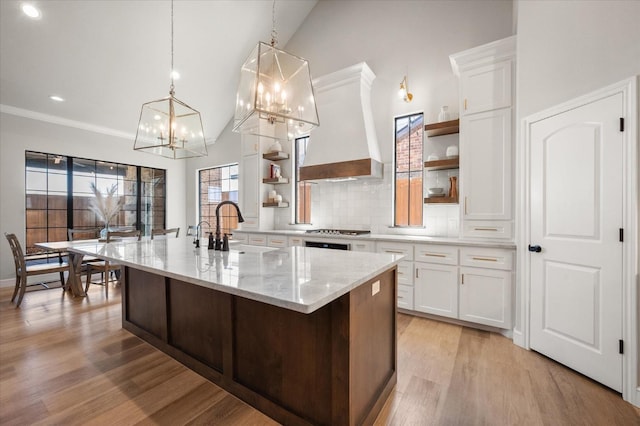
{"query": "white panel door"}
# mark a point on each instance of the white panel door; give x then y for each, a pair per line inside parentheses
(436, 289)
(576, 213)
(485, 165)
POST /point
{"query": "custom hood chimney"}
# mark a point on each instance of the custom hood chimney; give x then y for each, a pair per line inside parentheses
(345, 145)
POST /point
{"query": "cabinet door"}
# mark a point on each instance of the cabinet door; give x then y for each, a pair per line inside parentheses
(250, 186)
(436, 289)
(486, 88)
(485, 296)
(485, 165)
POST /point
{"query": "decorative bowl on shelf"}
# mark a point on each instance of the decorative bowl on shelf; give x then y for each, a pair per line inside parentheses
(452, 151)
(436, 191)
(433, 157)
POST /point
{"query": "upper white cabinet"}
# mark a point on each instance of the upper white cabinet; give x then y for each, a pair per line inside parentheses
(486, 165)
(486, 88)
(486, 138)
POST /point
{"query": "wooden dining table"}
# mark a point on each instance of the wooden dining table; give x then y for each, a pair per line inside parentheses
(74, 281)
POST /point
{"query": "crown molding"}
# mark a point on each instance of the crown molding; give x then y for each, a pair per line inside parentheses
(33, 115)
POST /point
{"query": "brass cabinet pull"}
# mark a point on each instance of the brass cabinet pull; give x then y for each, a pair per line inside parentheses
(400, 273)
(417, 273)
(434, 254)
(277, 241)
(465, 104)
(462, 282)
(465, 205)
(400, 297)
(488, 259)
(485, 228)
(394, 251)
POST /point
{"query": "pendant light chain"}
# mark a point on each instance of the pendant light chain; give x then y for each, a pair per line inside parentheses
(274, 33)
(171, 90)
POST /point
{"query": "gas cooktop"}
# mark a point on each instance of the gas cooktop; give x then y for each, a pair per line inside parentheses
(337, 231)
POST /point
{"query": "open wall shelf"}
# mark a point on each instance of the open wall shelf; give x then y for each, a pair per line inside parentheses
(444, 128)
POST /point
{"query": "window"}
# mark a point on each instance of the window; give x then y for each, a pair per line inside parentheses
(408, 172)
(58, 192)
(216, 185)
(303, 189)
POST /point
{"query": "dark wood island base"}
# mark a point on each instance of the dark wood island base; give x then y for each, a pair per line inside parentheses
(334, 366)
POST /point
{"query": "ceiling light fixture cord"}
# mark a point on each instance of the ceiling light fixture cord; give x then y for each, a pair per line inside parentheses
(274, 33)
(171, 90)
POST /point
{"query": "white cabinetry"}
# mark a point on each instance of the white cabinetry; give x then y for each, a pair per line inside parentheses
(485, 286)
(296, 241)
(277, 241)
(436, 289)
(252, 168)
(486, 138)
(405, 271)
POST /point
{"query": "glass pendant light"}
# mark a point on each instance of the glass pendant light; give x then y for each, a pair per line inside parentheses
(275, 95)
(169, 127)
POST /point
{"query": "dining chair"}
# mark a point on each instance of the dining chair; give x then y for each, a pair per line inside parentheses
(104, 267)
(75, 234)
(23, 270)
(166, 232)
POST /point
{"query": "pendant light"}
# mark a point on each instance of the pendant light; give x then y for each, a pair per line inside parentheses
(275, 96)
(169, 127)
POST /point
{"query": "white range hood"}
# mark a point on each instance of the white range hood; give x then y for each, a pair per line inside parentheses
(345, 145)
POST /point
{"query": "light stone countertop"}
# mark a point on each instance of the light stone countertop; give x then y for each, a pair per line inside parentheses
(390, 237)
(296, 278)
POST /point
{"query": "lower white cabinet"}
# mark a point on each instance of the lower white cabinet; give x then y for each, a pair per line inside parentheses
(485, 296)
(296, 242)
(257, 239)
(277, 241)
(405, 297)
(436, 289)
(362, 246)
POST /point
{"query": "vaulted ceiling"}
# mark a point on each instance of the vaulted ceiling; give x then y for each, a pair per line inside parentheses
(107, 57)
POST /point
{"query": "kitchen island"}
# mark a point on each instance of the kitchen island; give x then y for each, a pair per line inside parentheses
(306, 335)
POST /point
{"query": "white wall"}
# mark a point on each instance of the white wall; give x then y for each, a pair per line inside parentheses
(570, 48)
(395, 38)
(18, 134)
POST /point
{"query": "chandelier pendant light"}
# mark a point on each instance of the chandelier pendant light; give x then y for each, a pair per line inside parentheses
(275, 96)
(169, 127)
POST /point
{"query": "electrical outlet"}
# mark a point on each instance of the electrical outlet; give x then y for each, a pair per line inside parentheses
(375, 288)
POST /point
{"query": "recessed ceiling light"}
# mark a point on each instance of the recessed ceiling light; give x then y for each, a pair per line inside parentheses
(175, 75)
(56, 98)
(31, 11)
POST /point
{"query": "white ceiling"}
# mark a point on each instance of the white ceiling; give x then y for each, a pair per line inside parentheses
(107, 57)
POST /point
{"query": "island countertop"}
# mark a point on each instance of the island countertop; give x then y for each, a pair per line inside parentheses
(301, 279)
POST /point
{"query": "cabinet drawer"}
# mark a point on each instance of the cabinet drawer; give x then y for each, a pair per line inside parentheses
(396, 248)
(486, 258)
(296, 241)
(277, 241)
(362, 246)
(257, 240)
(405, 273)
(250, 223)
(488, 229)
(436, 254)
(239, 237)
(405, 297)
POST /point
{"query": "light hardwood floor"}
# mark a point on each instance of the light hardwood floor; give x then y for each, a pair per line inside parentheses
(67, 361)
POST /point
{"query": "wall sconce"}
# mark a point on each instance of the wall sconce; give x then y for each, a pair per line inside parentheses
(403, 92)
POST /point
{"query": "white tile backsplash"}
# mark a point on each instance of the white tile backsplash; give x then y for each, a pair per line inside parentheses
(368, 204)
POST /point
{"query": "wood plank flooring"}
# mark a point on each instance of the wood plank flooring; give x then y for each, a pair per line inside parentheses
(67, 361)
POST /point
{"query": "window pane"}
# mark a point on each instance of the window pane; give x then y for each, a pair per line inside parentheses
(408, 170)
(216, 185)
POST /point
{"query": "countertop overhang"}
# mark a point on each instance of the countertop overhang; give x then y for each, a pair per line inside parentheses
(301, 279)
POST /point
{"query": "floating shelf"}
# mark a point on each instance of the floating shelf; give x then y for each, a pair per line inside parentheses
(445, 128)
(275, 156)
(441, 200)
(275, 181)
(282, 204)
(448, 163)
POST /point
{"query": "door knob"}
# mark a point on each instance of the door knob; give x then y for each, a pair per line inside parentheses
(536, 249)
